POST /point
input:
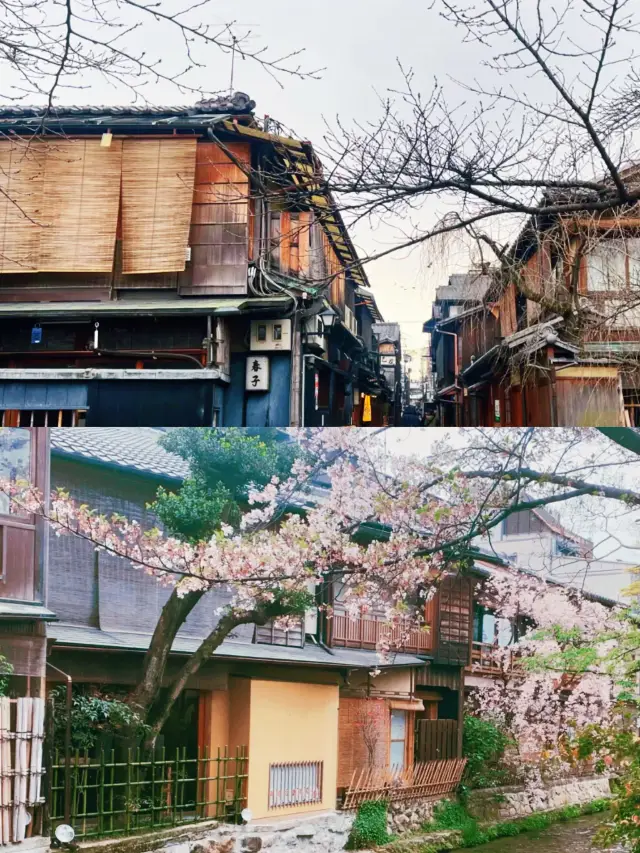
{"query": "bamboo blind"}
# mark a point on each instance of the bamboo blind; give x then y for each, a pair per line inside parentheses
(21, 768)
(81, 196)
(157, 192)
(21, 174)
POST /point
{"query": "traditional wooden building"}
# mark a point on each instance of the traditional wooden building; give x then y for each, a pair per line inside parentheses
(555, 339)
(23, 555)
(173, 266)
(313, 700)
(283, 695)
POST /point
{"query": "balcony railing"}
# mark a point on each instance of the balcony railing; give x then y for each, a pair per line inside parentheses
(368, 631)
(484, 660)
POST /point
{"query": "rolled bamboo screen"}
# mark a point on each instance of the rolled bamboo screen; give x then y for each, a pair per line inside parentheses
(80, 206)
(21, 181)
(58, 205)
(157, 192)
(21, 765)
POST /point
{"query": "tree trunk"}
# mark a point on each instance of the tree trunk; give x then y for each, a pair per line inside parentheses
(173, 616)
(227, 623)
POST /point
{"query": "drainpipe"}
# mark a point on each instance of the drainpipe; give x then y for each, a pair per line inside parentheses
(67, 744)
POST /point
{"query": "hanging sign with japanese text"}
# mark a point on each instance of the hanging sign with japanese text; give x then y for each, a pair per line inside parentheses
(257, 376)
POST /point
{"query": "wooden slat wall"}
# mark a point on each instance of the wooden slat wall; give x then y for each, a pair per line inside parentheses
(436, 739)
(21, 182)
(80, 202)
(219, 236)
(455, 621)
(589, 402)
(157, 191)
(270, 635)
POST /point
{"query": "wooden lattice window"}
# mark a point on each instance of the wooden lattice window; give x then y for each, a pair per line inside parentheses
(43, 417)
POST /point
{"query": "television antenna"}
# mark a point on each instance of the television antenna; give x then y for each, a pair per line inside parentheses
(233, 62)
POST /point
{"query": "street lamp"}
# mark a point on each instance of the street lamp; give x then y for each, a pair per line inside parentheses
(329, 318)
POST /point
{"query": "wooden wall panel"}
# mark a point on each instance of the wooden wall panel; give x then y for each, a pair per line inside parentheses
(589, 402)
(219, 233)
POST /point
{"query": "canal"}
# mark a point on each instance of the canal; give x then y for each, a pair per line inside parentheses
(576, 836)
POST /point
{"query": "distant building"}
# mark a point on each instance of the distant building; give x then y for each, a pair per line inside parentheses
(390, 351)
(455, 312)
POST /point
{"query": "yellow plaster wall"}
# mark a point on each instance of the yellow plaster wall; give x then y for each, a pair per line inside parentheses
(291, 722)
(239, 713)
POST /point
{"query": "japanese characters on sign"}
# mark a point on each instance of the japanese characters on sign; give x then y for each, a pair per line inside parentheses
(257, 375)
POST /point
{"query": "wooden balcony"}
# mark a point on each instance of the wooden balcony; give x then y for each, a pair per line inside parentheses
(367, 632)
(483, 661)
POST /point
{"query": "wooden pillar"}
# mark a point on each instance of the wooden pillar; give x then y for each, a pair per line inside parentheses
(213, 735)
(460, 712)
(552, 388)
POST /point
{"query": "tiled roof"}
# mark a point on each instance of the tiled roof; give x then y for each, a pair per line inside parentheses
(135, 449)
(83, 637)
(237, 103)
(463, 287)
(387, 331)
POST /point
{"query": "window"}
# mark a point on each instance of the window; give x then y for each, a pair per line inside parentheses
(398, 750)
(15, 460)
(632, 405)
(606, 267)
(275, 238)
(295, 783)
(633, 252)
(565, 548)
(43, 417)
(504, 631)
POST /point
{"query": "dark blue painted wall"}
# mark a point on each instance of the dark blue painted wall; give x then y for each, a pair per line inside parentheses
(258, 408)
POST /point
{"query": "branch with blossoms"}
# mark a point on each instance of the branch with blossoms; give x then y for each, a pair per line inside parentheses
(560, 678)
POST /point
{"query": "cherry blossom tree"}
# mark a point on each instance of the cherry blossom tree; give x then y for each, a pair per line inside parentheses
(560, 676)
(389, 526)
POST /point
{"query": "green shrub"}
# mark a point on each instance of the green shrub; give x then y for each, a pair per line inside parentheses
(569, 812)
(535, 822)
(450, 815)
(507, 829)
(596, 807)
(484, 745)
(370, 826)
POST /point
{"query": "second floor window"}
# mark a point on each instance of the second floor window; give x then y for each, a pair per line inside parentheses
(614, 266)
(15, 460)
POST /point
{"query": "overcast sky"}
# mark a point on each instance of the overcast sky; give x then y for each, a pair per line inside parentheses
(604, 522)
(358, 44)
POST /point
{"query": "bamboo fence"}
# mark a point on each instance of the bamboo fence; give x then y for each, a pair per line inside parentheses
(421, 781)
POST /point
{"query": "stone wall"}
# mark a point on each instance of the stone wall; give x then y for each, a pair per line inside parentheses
(407, 817)
(324, 832)
(497, 804)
